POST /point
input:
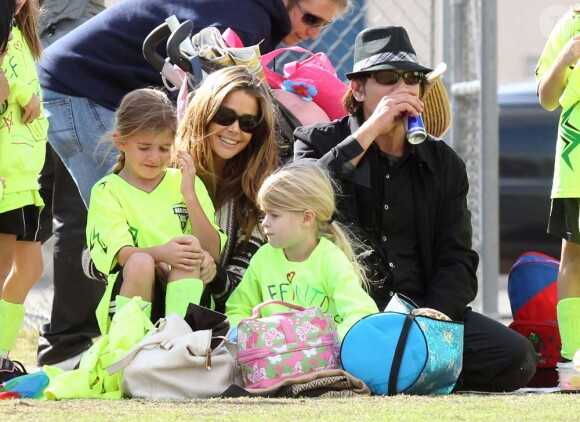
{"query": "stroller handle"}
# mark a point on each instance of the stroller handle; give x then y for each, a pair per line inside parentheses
(150, 44)
(190, 65)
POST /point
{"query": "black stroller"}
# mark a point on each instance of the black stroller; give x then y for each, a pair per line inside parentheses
(181, 52)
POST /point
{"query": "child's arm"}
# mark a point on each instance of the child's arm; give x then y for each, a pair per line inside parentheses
(558, 57)
(197, 200)
(25, 96)
(244, 298)
(552, 85)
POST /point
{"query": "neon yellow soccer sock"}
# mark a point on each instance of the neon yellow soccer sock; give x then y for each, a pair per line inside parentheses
(181, 293)
(569, 325)
(11, 317)
(123, 300)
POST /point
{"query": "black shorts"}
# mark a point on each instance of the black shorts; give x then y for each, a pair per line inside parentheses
(564, 219)
(23, 222)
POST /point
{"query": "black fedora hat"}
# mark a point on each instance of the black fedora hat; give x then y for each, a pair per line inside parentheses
(384, 48)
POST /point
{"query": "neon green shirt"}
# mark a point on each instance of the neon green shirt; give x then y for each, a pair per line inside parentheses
(122, 215)
(326, 279)
(22, 147)
(566, 182)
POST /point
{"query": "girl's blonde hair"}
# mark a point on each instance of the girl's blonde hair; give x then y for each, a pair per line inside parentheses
(244, 173)
(27, 22)
(305, 185)
(142, 110)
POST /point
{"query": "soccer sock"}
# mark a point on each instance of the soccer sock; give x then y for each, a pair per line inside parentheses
(123, 300)
(11, 317)
(569, 325)
(181, 293)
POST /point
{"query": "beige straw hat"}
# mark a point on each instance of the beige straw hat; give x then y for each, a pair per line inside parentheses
(437, 111)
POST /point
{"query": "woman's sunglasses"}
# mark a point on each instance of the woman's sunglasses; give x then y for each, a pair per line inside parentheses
(226, 116)
(312, 20)
(390, 77)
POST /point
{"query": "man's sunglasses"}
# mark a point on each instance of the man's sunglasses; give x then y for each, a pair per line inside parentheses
(312, 20)
(390, 77)
(226, 116)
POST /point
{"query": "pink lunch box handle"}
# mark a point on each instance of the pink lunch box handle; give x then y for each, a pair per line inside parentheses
(256, 310)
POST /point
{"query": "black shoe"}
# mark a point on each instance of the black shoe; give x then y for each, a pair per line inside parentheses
(10, 369)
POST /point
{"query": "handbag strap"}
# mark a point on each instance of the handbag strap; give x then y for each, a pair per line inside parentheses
(256, 310)
(398, 357)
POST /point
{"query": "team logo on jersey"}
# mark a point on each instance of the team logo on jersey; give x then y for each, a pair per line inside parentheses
(180, 210)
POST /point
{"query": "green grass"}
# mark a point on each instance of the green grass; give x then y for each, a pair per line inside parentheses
(458, 407)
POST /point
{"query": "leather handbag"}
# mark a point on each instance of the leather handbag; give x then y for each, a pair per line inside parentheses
(174, 361)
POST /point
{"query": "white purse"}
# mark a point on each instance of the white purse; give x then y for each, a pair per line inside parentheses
(174, 362)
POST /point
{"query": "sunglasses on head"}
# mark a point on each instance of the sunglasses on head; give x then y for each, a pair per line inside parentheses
(312, 20)
(226, 116)
(390, 77)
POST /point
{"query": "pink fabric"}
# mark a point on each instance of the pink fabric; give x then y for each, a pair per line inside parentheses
(318, 71)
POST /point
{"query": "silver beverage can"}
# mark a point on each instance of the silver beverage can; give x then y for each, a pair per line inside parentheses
(415, 129)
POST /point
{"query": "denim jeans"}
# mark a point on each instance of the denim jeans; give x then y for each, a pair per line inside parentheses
(76, 127)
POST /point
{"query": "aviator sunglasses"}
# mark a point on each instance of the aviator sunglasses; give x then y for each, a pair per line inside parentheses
(226, 116)
(312, 20)
(390, 77)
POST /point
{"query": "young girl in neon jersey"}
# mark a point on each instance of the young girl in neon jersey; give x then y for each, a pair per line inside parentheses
(146, 220)
(308, 260)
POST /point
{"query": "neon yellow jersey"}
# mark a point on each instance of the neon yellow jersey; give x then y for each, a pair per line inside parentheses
(22, 146)
(122, 215)
(326, 279)
(566, 182)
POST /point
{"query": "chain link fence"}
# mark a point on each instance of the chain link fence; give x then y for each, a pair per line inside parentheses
(421, 18)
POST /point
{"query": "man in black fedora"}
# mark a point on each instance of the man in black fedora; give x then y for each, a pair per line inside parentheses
(408, 203)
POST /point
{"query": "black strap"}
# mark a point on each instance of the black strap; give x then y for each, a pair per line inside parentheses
(398, 357)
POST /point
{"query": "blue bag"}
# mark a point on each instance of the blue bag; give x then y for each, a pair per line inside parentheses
(405, 352)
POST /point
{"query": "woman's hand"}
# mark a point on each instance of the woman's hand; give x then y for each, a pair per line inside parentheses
(187, 173)
(208, 269)
(31, 111)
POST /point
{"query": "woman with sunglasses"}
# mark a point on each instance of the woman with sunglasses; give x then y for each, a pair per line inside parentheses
(228, 128)
(409, 201)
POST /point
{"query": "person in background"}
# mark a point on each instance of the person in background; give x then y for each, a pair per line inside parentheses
(72, 324)
(146, 219)
(558, 77)
(89, 71)
(228, 128)
(309, 259)
(409, 203)
(22, 151)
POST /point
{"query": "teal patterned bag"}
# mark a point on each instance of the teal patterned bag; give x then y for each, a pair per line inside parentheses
(411, 351)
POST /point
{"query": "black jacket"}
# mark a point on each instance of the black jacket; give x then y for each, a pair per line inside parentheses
(443, 220)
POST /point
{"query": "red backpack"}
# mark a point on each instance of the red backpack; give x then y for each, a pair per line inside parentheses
(533, 296)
